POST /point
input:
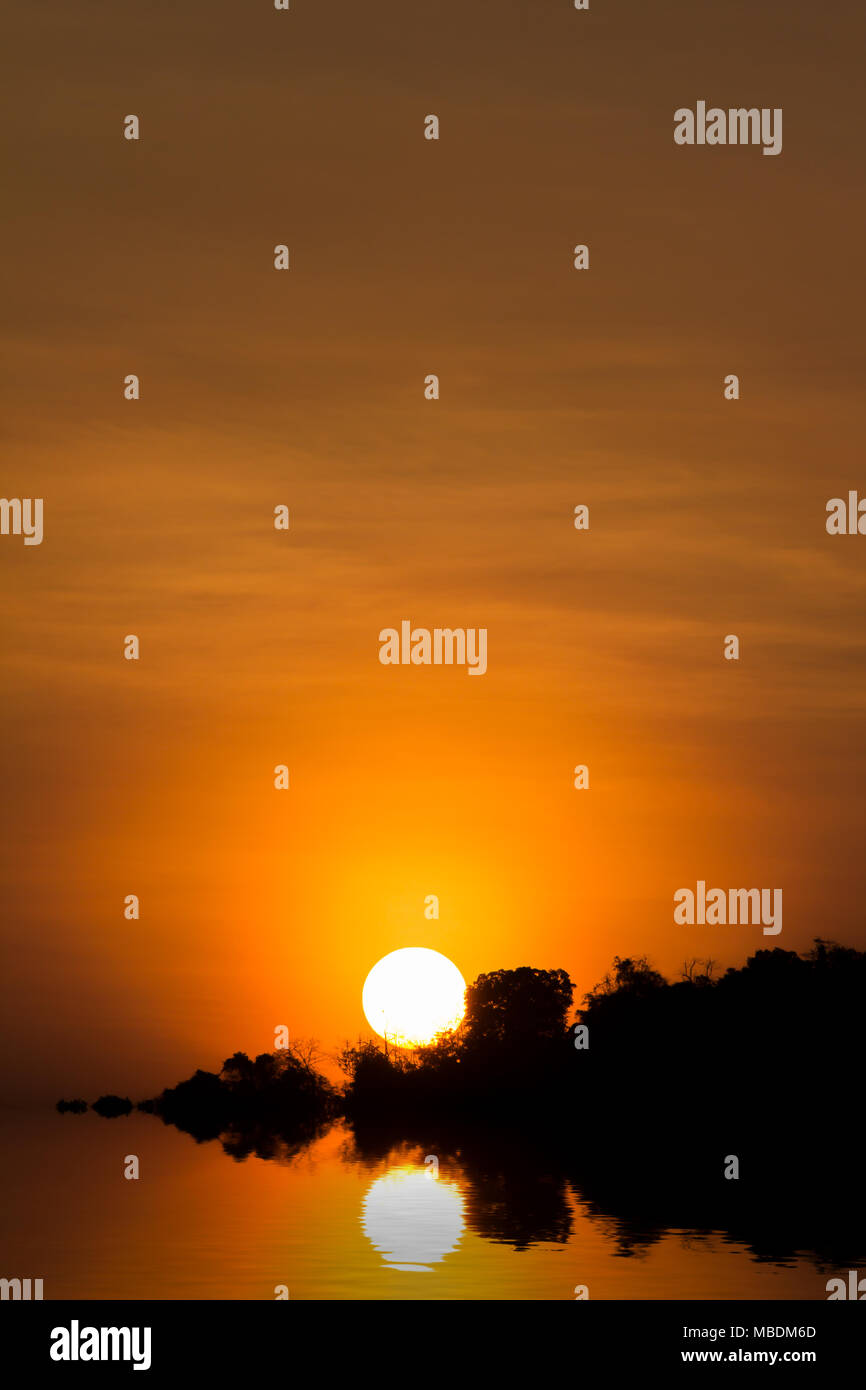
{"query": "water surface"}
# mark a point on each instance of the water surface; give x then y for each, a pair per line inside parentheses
(336, 1221)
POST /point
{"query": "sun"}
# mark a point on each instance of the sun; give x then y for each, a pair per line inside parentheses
(411, 995)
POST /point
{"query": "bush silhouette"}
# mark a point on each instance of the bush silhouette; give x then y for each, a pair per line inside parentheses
(112, 1106)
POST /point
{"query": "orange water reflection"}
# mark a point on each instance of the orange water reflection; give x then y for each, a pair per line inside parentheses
(336, 1220)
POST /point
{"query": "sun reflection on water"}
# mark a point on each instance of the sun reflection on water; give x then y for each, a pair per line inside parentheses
(413, 1218)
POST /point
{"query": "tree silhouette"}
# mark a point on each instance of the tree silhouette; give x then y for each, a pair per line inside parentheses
(517, 1007)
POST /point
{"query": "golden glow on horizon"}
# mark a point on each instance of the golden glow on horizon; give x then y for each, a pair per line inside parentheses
(412, 994)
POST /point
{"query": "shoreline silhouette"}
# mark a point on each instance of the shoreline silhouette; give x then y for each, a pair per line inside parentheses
(706, 1104)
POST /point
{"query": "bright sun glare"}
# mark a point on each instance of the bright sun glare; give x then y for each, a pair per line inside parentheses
(413, 994)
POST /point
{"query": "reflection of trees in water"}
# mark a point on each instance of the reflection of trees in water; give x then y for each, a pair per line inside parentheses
(521, 1201)
(636, 1184)
(783, 1204)
(261, 1142)
(634, 1191)
(517, 1206)
(275, 1141)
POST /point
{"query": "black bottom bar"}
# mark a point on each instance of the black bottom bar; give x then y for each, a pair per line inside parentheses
(241, 1340)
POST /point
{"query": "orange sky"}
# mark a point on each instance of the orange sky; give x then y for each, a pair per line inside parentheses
(306, 388)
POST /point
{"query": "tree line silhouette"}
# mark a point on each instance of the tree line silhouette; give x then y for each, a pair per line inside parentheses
(783, 1026)
(638, 1100)
(762, 1050)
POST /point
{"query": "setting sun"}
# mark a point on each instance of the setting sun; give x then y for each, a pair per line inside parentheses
(411, 995)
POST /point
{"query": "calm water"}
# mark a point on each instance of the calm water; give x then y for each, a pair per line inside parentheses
(331, 1223)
